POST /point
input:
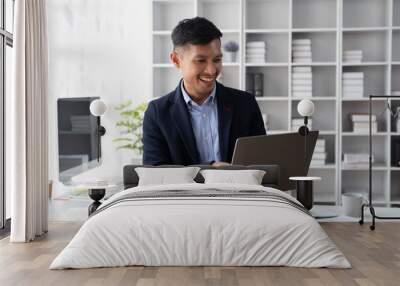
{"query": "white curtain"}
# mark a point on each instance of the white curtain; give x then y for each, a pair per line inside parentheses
(28, 123)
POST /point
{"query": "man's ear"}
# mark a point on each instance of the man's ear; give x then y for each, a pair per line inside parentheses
(175, 59)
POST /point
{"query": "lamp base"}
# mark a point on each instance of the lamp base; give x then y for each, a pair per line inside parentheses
(102, 130)
(303, 130)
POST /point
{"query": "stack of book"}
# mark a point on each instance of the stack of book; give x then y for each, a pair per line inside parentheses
(301, 51)
(255, 84)
(255, 52)
(80, 123)
(360, 123)
(319, 155)
(355, 160)
(298, 122)
(302, 82)
(353, 84)
(352, 56)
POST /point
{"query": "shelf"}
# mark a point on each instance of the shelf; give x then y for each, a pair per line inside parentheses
(323, 46)
(365, 64)
(327, 132)
(166, 14)
(212, 10)
(315, 64)
(316, 98)
(276, 46)
(365, 13)
(333, 26)
(266, 31)
(396, 46)
(379, 167)
(396, 14)
(327, 166)
(365, 29)
(266, 64)
(314, 13)
(275, 81)
(313, 30)
(363, 134)
(272, 98)
(272, 14)
(372, 45)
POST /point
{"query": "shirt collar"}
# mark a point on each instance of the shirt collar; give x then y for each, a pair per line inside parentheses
(189, 101)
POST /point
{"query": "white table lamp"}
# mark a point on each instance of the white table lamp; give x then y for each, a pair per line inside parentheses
(305, 109)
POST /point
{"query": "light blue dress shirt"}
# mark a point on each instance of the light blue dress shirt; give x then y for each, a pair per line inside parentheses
(204, 120)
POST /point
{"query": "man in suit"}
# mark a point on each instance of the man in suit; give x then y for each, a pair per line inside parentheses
(198, 122)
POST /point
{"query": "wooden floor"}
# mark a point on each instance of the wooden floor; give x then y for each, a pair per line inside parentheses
(375, 257)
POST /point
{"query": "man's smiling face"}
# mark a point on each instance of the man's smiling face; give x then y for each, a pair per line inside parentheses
(200, 65)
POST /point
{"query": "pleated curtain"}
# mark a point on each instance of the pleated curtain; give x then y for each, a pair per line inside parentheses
(29, 123)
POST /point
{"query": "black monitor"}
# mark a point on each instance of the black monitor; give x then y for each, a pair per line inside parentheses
(77, 137)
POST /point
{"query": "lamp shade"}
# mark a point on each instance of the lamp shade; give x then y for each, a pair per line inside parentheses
(97, 107)
(305, 108)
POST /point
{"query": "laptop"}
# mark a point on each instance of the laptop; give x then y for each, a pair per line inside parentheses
(291, 151)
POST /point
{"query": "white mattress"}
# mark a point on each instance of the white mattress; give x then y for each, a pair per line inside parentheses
(200, 231)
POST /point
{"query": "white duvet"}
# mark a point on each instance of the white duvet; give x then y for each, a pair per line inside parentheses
(200, 231)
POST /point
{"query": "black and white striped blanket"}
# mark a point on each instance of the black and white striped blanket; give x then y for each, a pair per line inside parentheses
(206, 194)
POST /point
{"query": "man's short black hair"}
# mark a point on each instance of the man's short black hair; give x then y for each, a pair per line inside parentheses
(195, 31)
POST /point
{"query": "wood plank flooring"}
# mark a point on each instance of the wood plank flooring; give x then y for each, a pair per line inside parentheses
(375, 257)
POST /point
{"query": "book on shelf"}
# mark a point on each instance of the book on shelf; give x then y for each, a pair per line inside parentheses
(302, 88)
(255, 84)
(317, 162)
(320, 143)
(364, 126)
(353, 82)
(319, 149)
(302, 75)
(365, 130)
(356, 158)
(301, 69)
(356, 165)
(319, 156)
(353, 75)
(302, 94)
(362, 117)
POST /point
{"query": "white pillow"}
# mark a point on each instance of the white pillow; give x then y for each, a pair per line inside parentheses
(164, 176)
(248, 177)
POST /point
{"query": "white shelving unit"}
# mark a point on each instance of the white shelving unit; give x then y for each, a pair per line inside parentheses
(333, 26)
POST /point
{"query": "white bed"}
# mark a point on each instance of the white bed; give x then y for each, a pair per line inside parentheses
(188, 231)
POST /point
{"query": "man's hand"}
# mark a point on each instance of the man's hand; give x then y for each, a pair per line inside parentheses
(220, 164)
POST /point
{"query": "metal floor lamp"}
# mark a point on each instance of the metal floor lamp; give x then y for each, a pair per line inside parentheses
(370, 203)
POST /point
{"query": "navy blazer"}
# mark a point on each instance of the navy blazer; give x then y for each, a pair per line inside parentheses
(168, 136)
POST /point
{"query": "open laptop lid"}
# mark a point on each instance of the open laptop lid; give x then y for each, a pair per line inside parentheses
(291, 151)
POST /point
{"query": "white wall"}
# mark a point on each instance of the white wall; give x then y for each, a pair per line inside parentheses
(98, 48)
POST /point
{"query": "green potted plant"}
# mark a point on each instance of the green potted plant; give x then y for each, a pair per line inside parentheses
(130, 126)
